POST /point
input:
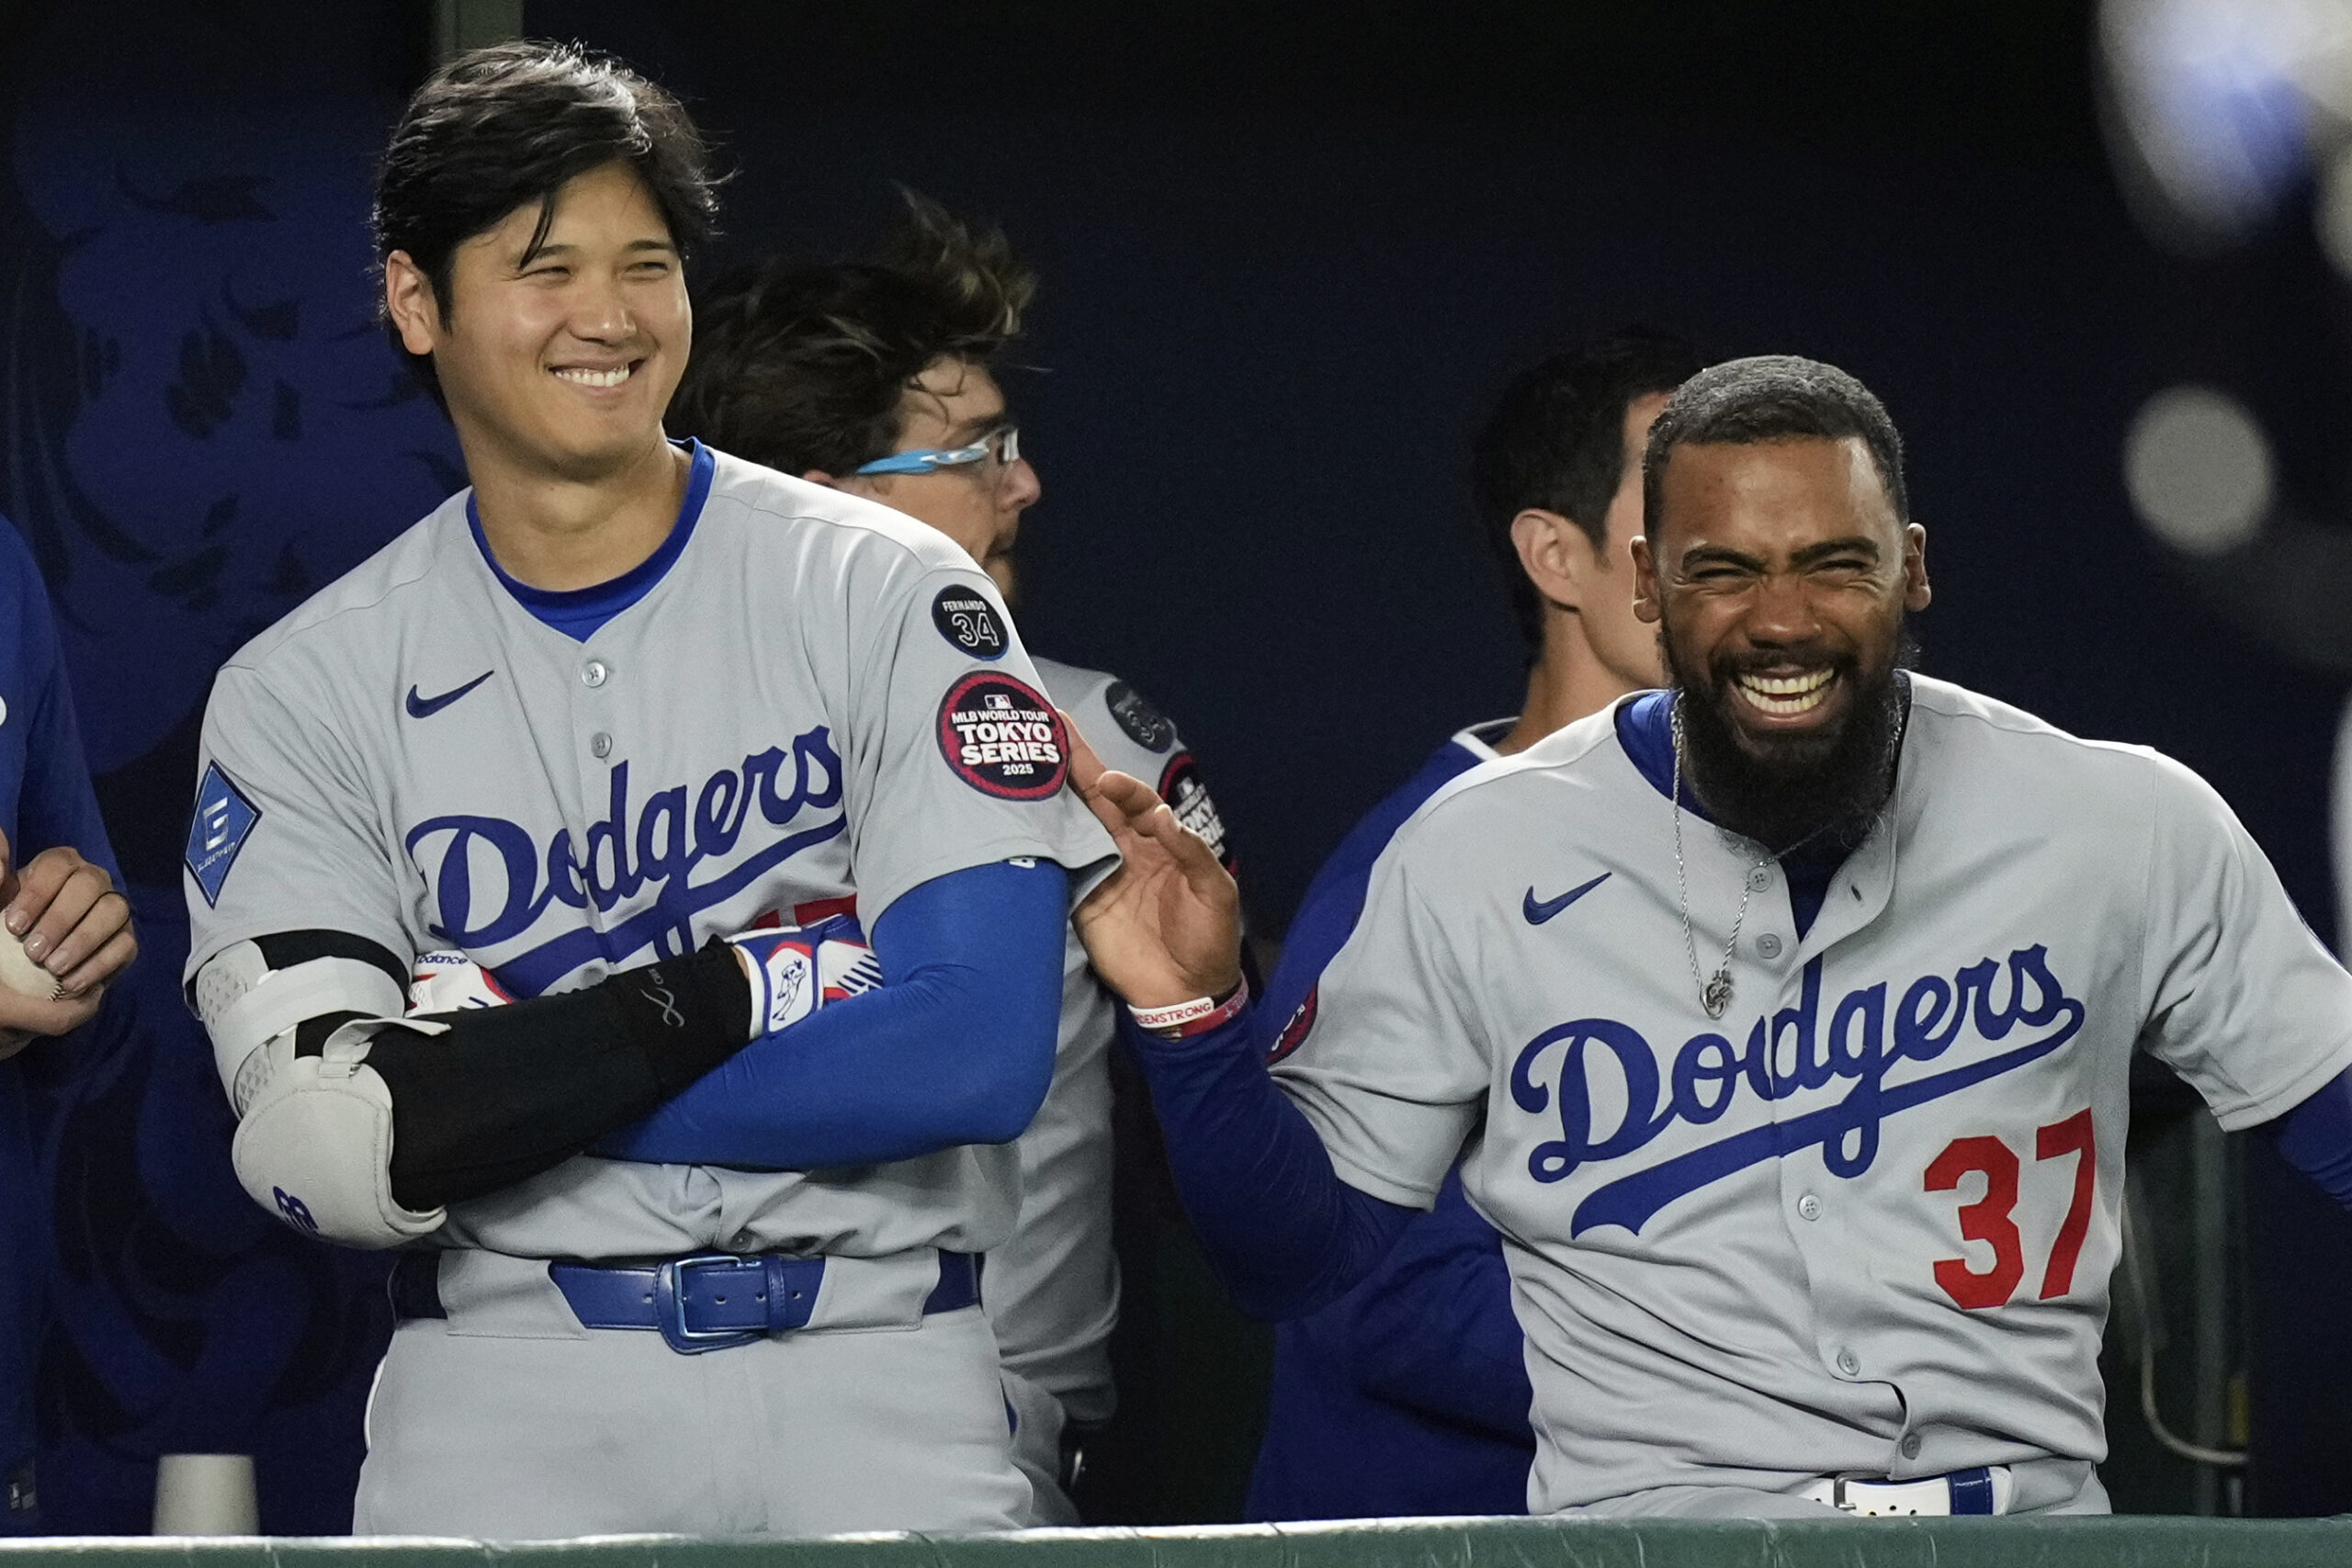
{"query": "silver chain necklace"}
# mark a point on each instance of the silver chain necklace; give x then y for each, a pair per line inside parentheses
(1714, 994)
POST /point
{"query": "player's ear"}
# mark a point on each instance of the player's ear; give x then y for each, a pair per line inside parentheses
(1916, 593)
(874, 487)
(409, 300)
(1557, 554)
(1645, 594)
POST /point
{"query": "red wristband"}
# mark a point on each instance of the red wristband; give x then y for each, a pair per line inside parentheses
(1183, 1019)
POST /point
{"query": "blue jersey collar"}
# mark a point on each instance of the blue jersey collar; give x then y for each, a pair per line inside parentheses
(578, 612)
(1645, 728)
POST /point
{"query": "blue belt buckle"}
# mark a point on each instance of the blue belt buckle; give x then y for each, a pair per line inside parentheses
(670, 1307)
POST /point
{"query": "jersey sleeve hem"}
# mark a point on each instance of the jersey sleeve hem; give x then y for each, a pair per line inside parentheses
(1085, 875)
(2255, 1110)
(218, 939)
(1402, 1194)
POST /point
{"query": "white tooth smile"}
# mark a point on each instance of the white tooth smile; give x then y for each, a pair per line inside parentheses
(1783, 696)
(611, 378)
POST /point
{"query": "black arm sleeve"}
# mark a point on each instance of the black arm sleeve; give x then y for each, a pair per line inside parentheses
(506, 1092)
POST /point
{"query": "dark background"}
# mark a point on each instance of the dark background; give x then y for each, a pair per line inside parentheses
(1290, 254)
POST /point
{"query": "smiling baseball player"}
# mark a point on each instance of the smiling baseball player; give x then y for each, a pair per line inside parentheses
(627, 727)
(1784, 1021)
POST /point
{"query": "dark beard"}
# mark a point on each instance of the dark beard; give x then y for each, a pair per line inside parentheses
(1827, 789)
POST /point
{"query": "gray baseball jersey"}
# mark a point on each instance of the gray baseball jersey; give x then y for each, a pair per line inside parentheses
(1863, 1224)
(819, 700)
(1053, 1290)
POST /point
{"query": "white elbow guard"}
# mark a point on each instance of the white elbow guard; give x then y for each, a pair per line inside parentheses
(314, 1133)
(315, 1143)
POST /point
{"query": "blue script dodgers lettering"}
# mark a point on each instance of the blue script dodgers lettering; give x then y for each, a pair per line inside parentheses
(1708, 1074)
(662, 844)
(1001, 738)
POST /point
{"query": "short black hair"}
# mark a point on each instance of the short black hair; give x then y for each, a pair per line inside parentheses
(1773, 397)
(802, 366)
(1557, 440)
(499, 128)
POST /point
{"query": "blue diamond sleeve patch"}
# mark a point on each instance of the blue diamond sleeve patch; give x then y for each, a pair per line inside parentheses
(224, 818)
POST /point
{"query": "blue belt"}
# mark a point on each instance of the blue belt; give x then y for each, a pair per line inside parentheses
(1972, 1490)
(721, 1300)
(707, 1303)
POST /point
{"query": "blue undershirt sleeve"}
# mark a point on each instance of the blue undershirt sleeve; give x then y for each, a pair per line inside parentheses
(1435, 1331)
(2316, 1137)
(955, 1047)
(1285, 1233)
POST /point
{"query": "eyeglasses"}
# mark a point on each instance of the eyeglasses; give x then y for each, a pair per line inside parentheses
(1004, 445)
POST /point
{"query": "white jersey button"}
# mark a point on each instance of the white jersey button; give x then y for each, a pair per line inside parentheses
(593, 672)
(1911, 1445)
(1849, 1363)
(601, 744)
(1760, 879)
(1768, 946)
(1809, 1206)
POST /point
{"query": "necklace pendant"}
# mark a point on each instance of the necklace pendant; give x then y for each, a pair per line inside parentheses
(1717, 996)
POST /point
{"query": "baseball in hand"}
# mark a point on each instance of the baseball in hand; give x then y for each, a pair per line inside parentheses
(20, 974)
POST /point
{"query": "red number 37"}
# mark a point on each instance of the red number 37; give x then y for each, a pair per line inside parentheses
(1987, 1219)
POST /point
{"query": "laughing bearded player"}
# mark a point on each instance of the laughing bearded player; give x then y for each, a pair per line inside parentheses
(1802, 1113)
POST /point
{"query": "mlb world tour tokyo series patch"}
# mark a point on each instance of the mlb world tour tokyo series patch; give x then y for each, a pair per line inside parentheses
(1001, 738)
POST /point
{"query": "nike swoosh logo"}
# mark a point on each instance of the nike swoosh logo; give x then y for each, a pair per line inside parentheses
(1537, 913)
(425, 707)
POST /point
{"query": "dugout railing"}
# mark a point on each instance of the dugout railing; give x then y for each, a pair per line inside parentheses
(2126, 1542)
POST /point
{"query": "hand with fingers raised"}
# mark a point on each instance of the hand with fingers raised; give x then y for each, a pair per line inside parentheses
(1166, 927)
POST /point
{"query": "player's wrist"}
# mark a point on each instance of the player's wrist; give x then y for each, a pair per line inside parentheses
(686, 1013)
(1197, 1015)
(1164, 980)
(791, 971)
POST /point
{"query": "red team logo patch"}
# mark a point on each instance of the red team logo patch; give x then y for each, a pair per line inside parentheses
(1003, 739)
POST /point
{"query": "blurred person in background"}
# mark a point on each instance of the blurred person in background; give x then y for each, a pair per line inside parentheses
(878, 377)
(1417, 1374)
(57, 897)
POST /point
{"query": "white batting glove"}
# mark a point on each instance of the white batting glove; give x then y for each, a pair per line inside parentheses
(448, 981)
(797, 969)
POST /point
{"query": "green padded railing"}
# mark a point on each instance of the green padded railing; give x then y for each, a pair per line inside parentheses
(2143, 1542)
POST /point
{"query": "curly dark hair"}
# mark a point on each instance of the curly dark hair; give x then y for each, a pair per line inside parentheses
(1773, 397)
(801, 365)
(497, 129)
(1556, 442)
